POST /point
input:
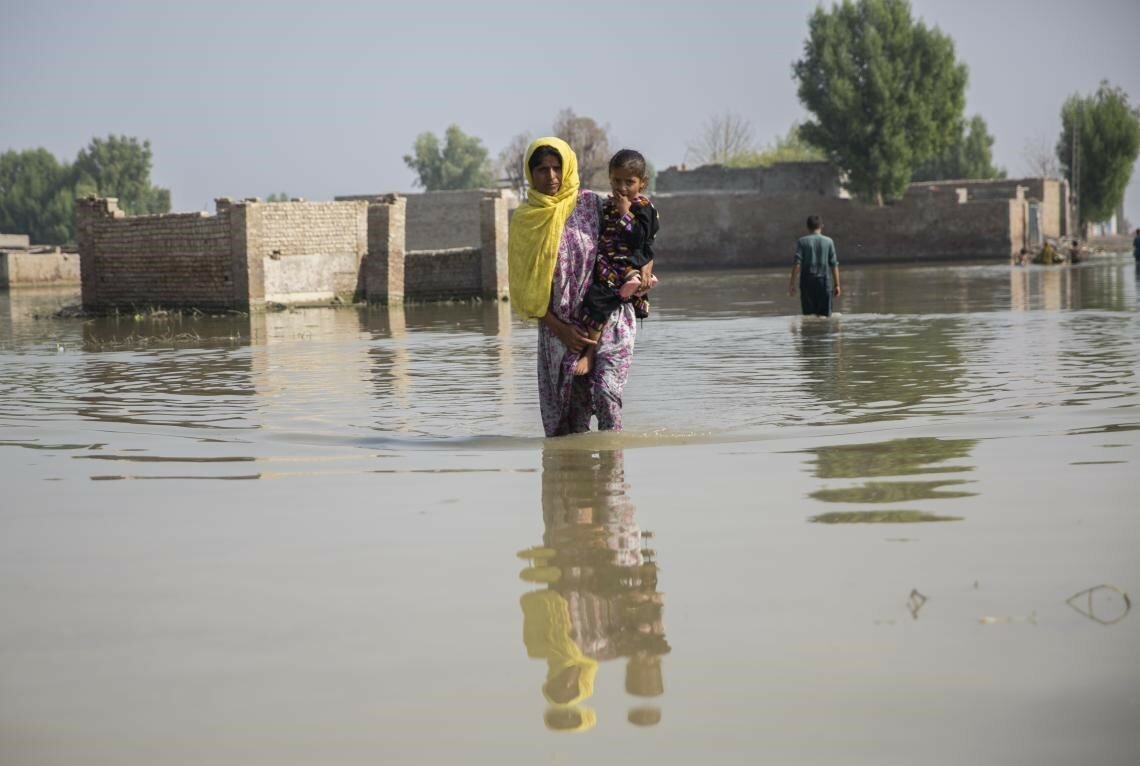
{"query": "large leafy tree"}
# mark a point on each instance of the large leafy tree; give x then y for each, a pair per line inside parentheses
(37, 191)
(1108, 139)
(886, 92)
(461, 163)
(36, 197)
(119, 166)
(969, 155)
(591, 144)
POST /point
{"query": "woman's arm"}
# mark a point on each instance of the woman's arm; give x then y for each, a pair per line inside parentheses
(574, 338)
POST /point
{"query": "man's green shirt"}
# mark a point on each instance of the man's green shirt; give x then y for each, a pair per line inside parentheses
(815, 255)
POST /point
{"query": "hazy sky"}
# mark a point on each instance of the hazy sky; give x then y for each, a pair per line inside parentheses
(319, 99)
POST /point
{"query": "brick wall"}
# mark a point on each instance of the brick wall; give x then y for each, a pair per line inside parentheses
(436, 274)
(1051, 193)
(747, 230)
(252, 253)
(779, 179)
(160, 260)
(310, 251)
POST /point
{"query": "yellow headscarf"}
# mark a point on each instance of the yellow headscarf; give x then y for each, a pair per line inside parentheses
(546, 633)
(536, 231)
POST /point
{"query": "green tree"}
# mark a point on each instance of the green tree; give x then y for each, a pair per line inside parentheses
(789, 148)
(462, 162)
(969, 155)
(277, 197)
(1108, 139)
(886, 92)
(591, 143)
(119, 166)
(36, 197)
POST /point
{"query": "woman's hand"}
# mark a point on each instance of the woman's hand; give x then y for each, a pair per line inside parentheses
(572, 337)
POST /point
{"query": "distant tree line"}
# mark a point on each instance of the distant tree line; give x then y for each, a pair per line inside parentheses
(38, 191)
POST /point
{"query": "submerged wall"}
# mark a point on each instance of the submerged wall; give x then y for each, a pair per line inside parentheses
(747, 230)
(250, 254)
(780, 179)
(19, 268)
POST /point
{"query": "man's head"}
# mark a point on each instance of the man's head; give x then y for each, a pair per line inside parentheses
(814, 223)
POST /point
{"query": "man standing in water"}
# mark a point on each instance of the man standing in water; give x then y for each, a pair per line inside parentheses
(817, 267)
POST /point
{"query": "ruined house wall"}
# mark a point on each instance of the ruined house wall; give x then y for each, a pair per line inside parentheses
(436, 274)
(310, 251)
(749, 230)
(783, 178)
(47, 268)
(168, 260)
(442, 220)
(1051, 193)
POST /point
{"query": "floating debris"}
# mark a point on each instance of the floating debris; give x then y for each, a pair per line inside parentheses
(1112, 603)
(1031, 619)
(915, 602)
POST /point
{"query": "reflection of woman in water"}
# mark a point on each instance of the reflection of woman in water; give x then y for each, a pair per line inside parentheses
(601, 599)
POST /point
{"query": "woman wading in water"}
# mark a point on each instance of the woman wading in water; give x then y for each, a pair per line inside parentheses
(553, 244)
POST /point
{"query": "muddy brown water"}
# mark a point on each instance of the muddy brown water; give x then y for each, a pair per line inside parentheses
(336, 535)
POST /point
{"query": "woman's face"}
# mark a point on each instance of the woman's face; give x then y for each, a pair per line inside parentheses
(547, 175)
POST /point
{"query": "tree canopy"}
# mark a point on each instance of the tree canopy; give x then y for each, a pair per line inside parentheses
(35, 197)
(461, 163)
(1108, 139)
(886, 92)
(119, 166)
(38, 192)
(969, 155)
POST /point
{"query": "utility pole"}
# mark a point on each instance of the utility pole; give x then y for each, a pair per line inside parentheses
(1075, 167)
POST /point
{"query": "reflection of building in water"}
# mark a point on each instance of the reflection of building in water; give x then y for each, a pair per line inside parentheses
(897, 457)
(423, 357)
(601, 599)
(307, 358)
(862, 373)
(1094, 285)
(389, 359)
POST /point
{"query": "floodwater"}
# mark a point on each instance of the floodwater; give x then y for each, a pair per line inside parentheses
(337, 536)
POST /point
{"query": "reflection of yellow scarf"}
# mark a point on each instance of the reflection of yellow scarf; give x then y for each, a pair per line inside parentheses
(536, 231)
(546, 633)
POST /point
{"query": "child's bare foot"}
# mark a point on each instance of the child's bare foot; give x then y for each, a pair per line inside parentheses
(585, 362)
(631, 286)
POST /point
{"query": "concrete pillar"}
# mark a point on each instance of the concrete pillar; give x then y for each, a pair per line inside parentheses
(382, 269)
(493, 240)
(90, 211)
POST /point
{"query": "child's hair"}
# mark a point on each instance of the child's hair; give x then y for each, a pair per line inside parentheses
(631, 160)
(814, 222)
(539, 153)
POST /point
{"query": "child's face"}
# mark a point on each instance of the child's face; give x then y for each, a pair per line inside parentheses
(626, 183)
